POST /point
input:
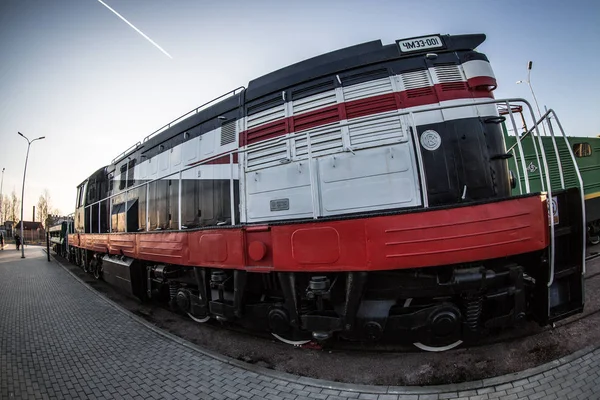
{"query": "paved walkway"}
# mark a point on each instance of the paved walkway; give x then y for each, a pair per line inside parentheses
(60, 340)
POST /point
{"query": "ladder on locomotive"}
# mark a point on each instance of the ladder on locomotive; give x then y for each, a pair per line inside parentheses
(561, 292)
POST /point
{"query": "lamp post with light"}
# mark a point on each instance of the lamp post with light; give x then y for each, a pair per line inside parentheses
(528, 81)
(23, 189)
(1, 196)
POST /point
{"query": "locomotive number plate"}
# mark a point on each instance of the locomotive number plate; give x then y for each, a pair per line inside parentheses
(280, 205)
(420, 44)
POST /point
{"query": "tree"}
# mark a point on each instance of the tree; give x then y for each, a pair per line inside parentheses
(14, 208)
(43, 208)
(5, 208)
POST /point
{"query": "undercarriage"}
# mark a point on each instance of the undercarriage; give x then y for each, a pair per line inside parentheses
(434, 308)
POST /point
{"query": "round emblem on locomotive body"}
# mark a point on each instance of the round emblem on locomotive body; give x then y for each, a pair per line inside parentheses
(431, 140)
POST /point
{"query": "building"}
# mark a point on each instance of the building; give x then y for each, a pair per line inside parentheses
(33, 232)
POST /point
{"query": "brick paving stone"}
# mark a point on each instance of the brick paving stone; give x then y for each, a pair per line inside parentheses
(59, 340)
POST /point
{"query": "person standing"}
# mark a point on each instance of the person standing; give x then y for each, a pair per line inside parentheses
(1, 241)
(18, 241)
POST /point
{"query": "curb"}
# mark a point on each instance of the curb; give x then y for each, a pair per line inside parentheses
(348, 387)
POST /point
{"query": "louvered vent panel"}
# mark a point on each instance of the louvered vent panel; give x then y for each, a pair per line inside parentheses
(416, 79)
(369, 106)
(417, 83)
(355, 78)
(228, 133)
(267, 131)
(448, 73)
(309, 90)
(454, 86)
(323, 116)
(314, 102)
(450, 77)
(387, 127)
(267, 156)
(368, 89)
(323, 140)
(263, 117)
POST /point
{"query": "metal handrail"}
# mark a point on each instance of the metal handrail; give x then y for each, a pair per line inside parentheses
(126, 152)
(167, 126)
(194, 111)
(310, 132)
(579, 178)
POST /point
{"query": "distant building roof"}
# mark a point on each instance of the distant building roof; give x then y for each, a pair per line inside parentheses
(29, 226)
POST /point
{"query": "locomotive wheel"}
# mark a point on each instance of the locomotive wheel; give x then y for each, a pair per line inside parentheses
(85, 261)
(594, 240)
(78, 260)
(199, 320)
(98, 271)
(293, 341)
(433, 347)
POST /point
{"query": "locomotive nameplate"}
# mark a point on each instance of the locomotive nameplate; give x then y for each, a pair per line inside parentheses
(280, 204)
(420, 44)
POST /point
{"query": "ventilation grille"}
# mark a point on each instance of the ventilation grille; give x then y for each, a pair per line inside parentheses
(416, 79)
(269, 115)
(453, 86)
(268, 155)
(375, 132)
(448, 73)
(311, 90)
(228, 133)
(368, 89)
(322, 140)
(360, 77)
(314, 102)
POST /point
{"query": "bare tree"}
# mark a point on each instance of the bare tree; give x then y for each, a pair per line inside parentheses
(5, 207)
(43, 208)
(14, 208)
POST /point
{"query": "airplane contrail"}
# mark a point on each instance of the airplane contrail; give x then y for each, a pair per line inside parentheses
(136, 29)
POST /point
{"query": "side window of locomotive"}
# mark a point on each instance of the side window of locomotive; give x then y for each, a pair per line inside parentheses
(92, 193)
(130, 180)
(123, 176)
(80, 196)
(582, 149)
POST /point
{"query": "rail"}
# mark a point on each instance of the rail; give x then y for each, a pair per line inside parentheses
(178, 119)
(409, 119)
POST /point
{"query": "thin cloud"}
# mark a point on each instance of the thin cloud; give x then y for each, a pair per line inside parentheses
(136, 29)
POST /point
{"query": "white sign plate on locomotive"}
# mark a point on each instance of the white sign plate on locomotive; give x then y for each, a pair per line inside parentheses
(420, 44)
(553, 210)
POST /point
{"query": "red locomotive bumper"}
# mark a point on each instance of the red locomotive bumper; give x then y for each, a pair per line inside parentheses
(421, 238)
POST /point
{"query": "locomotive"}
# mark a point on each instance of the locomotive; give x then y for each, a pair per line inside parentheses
(363, 194)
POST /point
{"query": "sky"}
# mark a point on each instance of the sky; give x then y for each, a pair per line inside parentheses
(72, 71)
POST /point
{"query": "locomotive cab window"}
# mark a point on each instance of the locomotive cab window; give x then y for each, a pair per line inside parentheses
(123, 176)
(80, 196)
(582, 149)
(130, 179)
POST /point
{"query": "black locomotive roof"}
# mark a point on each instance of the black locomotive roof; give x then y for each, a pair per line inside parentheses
(323, 65)
(349, 57)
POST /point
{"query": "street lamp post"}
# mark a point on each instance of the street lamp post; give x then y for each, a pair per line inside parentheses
(23, 188)
(1, 196)
(528, 81)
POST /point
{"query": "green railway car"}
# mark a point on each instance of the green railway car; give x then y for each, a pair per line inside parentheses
(59, 236)
(587, 155)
